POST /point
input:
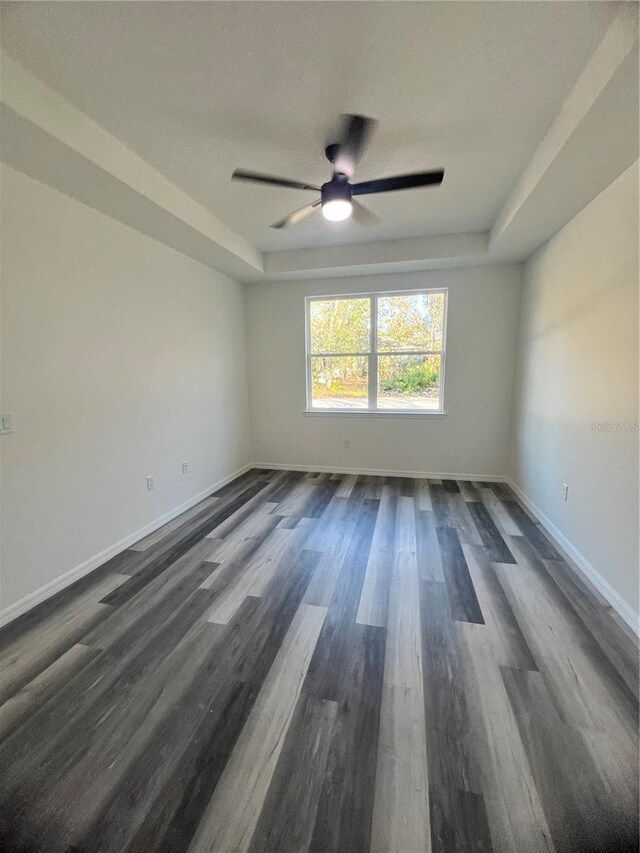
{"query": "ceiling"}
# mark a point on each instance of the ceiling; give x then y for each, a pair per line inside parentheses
(198, 89)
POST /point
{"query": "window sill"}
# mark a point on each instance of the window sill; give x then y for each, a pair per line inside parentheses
(367, 413)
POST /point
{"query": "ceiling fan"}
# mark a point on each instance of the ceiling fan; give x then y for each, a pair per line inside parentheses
(337, 195)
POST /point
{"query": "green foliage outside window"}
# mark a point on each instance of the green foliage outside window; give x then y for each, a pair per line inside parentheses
(408, 327)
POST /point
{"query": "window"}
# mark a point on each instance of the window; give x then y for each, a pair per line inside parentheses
(382, 352)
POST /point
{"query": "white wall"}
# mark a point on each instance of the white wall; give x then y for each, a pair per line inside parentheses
(578, 366)
(120, 358)
(472, 439)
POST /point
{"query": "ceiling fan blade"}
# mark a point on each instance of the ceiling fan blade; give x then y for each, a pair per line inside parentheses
(258, 177)
(297, 215)
(363, 215)
(399, 182)
(354, 135)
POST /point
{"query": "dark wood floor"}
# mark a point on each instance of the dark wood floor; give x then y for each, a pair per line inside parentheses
(325, 663)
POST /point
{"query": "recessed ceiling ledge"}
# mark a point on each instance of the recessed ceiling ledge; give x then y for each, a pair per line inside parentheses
(415, 253)
(46, 137)
(580, 154)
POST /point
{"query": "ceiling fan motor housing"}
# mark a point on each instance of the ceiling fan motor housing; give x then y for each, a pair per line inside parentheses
(338, 188)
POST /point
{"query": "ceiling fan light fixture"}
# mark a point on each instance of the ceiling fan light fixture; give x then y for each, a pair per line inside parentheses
(337, 209)
(336, 199)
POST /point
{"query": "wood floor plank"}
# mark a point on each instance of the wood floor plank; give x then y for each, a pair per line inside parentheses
(374, 600)
(252, 574)
(323, 583)
(129, 647)
(514, 811)
(406, 485)
(161, 595)
(260, 520)
(495, 507)
(87, 756)
(429, 555)
(239, 484)
(440, 504)
(400, 814)
(247, 538)
(347, 668)
(330, 664)
(174, 524)
(262, 577)
(227, 509)
(198, 737)
(463, 601)
(317, 502)
(19, 669)
(50, 612)
(586, 689)
(462, 519)
(37, 645)
(333, 530)
(491, 539)
(580, 815)
(531, 531)
(294, 501)
(284, 482)
(618, 772)
(502, 631)
(231, 816)
(235, 550)
(461, 827)
(578, 675)
(38, 691)
(155, 564)
(345, 807)
(258, 503)
(136, 722)
(288, 816)
(469, 491)
(450, 754)
(620, 648)
(346, 486)
(452, 761)
(423, 495)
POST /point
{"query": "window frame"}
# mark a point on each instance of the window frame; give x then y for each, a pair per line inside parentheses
(372, 354)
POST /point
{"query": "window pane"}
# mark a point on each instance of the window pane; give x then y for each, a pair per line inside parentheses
(409, 382)
(339, 325)
(411, 322)
(339, 383)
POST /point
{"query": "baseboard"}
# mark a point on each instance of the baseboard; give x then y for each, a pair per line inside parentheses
(39, 595)
(603, 586)
(382, 472)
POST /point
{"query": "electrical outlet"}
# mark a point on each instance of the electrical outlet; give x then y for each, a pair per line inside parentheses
(347, 443)
(150, 483)
(6, 424)
(185, 467)
(565, 492)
